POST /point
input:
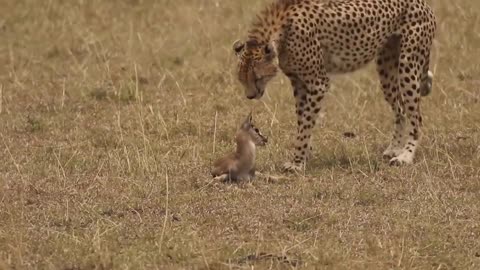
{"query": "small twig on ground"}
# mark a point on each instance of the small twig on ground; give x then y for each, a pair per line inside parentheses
(162, 235)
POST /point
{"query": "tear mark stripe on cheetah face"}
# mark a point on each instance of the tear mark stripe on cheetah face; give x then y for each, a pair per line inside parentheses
(314, 39)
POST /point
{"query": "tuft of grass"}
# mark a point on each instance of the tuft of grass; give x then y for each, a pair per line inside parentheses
(34, 124)
(99, 94)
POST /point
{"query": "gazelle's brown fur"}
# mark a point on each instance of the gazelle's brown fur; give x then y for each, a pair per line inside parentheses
(240, 165)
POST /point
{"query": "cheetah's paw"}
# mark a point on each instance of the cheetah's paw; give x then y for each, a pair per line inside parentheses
(391, 152)
(402, 159)
(292, 167)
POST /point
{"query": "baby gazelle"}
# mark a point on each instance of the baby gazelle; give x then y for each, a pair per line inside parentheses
(240, 165)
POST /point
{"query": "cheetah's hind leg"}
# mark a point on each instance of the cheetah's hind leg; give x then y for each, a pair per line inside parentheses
(387, 63)
(412, 80)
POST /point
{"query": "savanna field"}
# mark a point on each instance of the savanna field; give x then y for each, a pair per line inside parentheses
(112, 112)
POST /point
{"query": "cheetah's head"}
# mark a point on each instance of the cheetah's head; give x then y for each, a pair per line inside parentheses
(256, 66)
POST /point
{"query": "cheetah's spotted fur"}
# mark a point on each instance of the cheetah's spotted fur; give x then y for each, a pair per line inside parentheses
(313, 39)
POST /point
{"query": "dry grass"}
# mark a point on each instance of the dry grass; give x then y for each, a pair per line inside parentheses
(107, 119)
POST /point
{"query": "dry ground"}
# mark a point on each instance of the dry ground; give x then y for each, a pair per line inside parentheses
(112, 111)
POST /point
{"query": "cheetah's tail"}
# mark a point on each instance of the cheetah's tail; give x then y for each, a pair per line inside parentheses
(426, 87)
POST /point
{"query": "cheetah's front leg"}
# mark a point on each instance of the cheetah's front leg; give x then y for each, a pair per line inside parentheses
(309, 93)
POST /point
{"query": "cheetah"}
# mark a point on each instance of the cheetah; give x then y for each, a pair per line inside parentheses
(310, 40)
(240, 165)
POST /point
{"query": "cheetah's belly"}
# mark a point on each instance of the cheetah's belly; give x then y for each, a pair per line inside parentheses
(344, 62)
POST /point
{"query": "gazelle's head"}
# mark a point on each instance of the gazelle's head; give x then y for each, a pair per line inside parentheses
(252, 132)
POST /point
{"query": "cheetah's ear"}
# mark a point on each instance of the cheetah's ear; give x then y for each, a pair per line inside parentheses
(238, 47)
(269, 51)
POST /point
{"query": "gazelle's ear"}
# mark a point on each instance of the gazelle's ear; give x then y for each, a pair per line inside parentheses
(250, 117)
(238, 47)
(248, 121)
